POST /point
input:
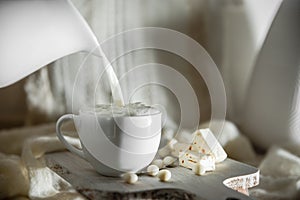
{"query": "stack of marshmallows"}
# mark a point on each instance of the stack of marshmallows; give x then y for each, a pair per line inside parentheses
(200, 155)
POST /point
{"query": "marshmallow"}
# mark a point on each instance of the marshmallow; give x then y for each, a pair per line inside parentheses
(199, 169)
(152, 170)
(168, 160)
(164, 175)
(130, 178)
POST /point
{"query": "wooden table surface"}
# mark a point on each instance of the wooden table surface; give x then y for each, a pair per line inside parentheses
(184, 184)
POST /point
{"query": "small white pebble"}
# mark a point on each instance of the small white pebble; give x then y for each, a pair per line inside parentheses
(168, 160)
(130, 178)
(164, 175)
(159, 163)
(152, 170)
(199, 169)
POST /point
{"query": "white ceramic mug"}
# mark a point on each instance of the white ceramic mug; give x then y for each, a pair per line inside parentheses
(115, 144)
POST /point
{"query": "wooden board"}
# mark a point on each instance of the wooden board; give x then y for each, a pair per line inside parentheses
(183, 184)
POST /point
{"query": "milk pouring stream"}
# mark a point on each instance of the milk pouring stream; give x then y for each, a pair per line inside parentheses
(113, 80)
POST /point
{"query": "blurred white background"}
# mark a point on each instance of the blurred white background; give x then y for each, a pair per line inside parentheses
(232, 31)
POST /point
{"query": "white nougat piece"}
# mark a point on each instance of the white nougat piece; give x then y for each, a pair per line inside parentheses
(191, 158)
(208, 163)
(205, 142)
(198, 169)
(179, 148)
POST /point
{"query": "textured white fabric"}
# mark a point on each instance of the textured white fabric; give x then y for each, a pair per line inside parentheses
(280, 176)
(13, 176)
(27, 175)
(279, 168)
(44, 183)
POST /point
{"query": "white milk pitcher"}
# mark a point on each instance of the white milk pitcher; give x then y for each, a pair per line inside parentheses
(36, 33)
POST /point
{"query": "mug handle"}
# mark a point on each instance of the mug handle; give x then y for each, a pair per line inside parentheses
(70, 147)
